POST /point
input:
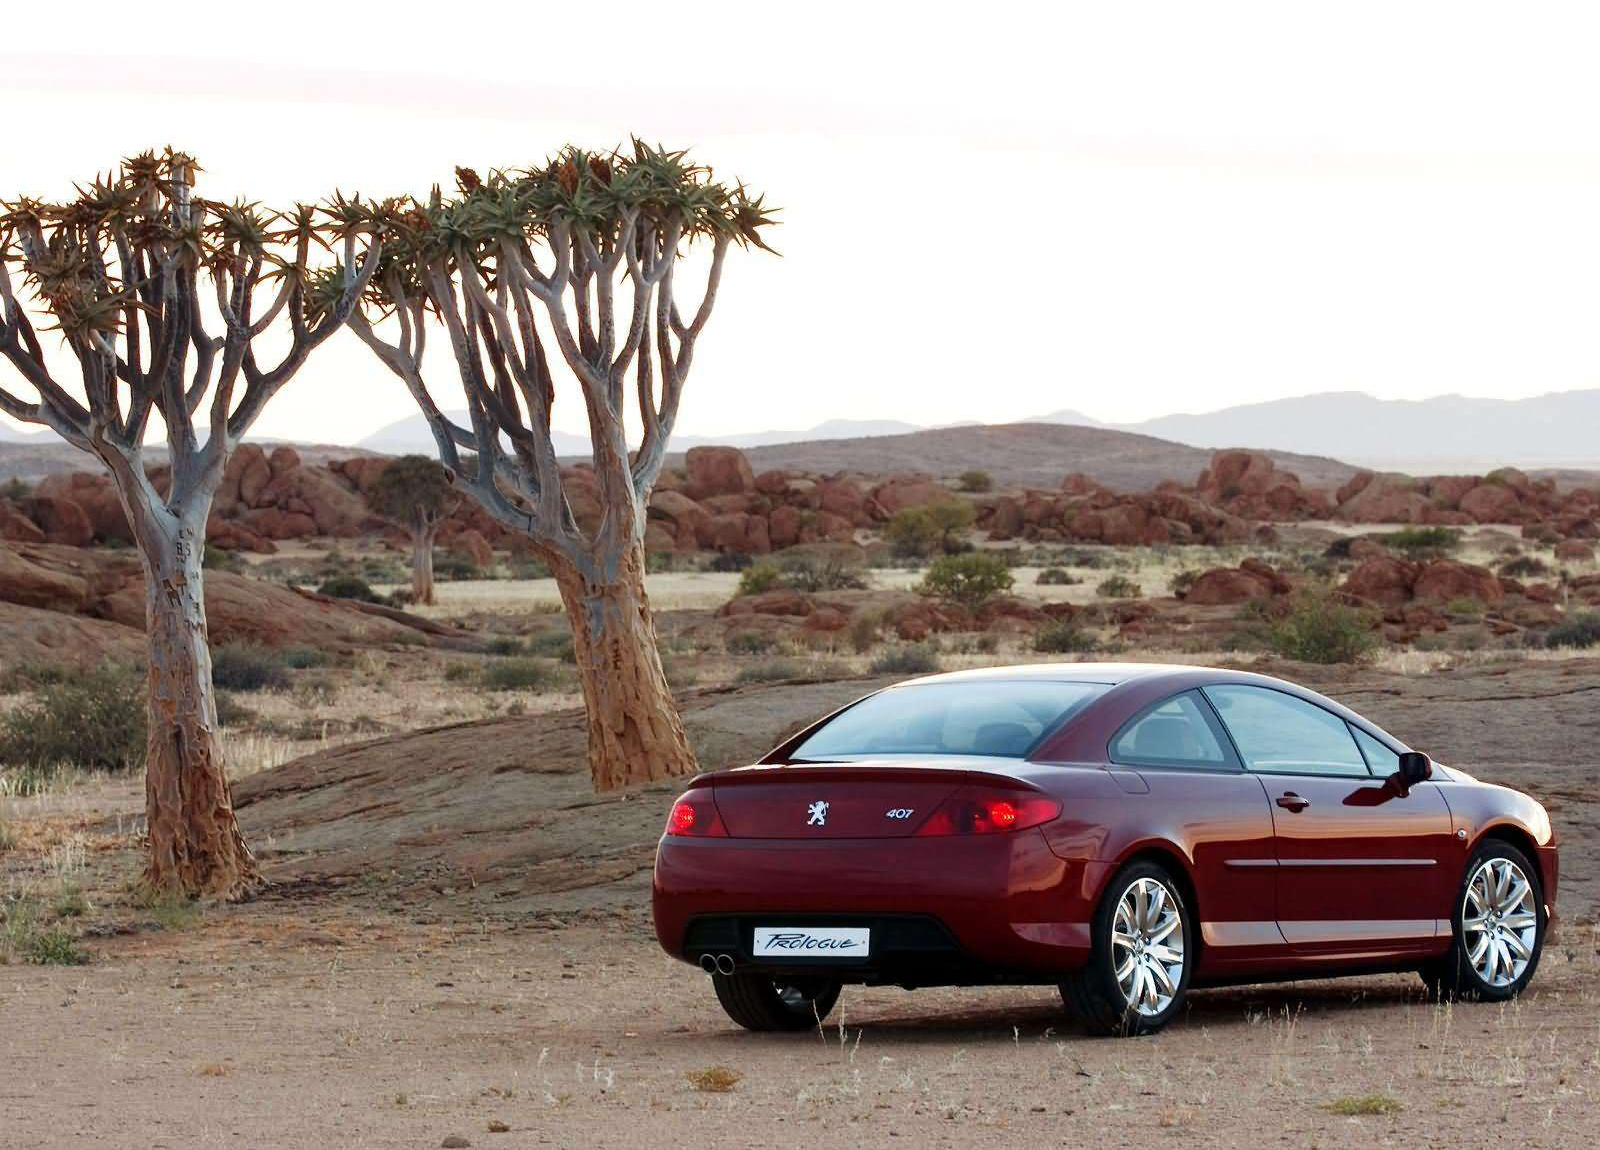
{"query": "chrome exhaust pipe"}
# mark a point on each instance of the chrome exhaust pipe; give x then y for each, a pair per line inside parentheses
(708, 963)
(724, 964)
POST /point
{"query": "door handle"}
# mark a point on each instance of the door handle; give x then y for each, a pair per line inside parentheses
(1290, 801)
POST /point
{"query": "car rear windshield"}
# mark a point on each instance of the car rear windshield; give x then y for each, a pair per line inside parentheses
(972, 718)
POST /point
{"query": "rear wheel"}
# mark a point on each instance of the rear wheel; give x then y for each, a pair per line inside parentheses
(1138, 969)
(763, 1004)
(1497, 928)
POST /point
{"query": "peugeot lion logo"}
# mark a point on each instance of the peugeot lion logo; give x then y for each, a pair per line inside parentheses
(817, 814)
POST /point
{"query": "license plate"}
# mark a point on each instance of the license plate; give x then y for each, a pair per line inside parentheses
(812, 943)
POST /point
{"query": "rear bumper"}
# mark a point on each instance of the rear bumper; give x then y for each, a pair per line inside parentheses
(942, 909)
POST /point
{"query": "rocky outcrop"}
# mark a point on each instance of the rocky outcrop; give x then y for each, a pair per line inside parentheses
(1250, 485)
(717, 471)
(1390, 581)
(1220, 586)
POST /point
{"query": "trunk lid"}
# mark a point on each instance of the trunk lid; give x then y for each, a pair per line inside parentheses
(874, 799)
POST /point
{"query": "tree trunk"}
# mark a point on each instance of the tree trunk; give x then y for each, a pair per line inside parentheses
(422, 564)
(195, 844)
(635, 732)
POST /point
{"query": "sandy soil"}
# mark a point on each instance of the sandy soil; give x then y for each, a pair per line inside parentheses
(458, 940)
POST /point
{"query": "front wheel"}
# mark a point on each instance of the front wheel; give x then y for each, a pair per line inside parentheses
(762, 1004)
(1497, 928)
(1138, 970)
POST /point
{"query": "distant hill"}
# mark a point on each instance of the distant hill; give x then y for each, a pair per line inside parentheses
(412, 435)
(1444, 434)
(1026, 453)
(32, 460)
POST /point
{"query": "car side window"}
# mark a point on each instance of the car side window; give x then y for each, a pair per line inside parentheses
(1278, 733)
(1176, 732)
(1380, 759)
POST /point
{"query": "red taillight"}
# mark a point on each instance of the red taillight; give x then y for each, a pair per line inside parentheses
(696, 814)
(973, 812)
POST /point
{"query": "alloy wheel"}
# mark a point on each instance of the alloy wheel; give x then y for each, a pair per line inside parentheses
(1499, 922)
(1147, 946)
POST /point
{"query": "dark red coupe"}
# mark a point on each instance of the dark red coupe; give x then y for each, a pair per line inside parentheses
(1124, 831)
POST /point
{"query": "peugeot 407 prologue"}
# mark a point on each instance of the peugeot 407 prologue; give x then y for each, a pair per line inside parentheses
(1126, 832)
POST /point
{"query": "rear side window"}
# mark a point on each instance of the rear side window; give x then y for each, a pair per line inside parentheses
(1175, 733)
(962, 718)
(1278, 733)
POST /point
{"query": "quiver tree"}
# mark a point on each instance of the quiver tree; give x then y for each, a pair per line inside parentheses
(154, 293)
(415, 493)
(571, 267)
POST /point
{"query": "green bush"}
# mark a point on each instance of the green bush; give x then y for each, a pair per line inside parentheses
(1118, 587)
(349, 587)
(750, 643)
(730, 561)
(864, 628)
(231, 712)
(760, 578)
(519, 674)
(1056, 577)
(15, 488)
(460, 672)
(452, 566)
(1578, 631)
(1524, 567)
(504, 645)
(1423, 540)
(55, 948)
(215, 558)
(553, 645)
(828, 572)
(1063, 637)
(303, 658)
(89, 719)
(909, 659)
(971, 579)
(917, 532)
(1320, 628)
(245, 667)
(977, 481)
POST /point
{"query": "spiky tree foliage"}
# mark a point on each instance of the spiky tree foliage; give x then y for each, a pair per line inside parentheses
(153, 291)
(571, 267)
(415, 493)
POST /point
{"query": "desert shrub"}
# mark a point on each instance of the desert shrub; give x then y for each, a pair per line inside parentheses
(503, 645)
(750, 643)
(1423, 540)
(89, 718)
(1524, 567)
(907, 659)
(301, 658)
(771, 671)
(15, 488)
(215, 558)
(349, 587)
(759, 578)
(519, 674)
(1320, 628)
(452, 566)
(828, 572)
(460, 672)
(971, 579)
(246, 667)
(8, 838)
(1056, 577)
(526, 567)
(27, 675)
(231, 712)
(659, 562)
(56, 947)
(1182, 581)
(864, 631)
(977, 481)
(1063, 637)
(730, 561)
(556, 644)
(1578, 631)
(917, 532)
(1472, 608)
(1118, 587)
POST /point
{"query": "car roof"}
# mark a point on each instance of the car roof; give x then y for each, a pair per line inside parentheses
(1109, 673)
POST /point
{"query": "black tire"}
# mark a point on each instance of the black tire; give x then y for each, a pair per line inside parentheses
(1093, 993)
(1455, 975)
(759, 1004)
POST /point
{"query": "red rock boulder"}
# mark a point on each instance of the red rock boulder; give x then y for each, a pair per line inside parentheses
(718, 471)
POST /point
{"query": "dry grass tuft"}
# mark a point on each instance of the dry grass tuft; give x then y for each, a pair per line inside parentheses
(714, 1079)
(1362, 1105)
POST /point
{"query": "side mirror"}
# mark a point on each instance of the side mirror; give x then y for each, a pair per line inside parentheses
(1415, 767)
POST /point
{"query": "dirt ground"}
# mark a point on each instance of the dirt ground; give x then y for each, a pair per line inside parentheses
(458, 940)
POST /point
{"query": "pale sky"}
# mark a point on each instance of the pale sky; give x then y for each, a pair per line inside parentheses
(990, 212)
